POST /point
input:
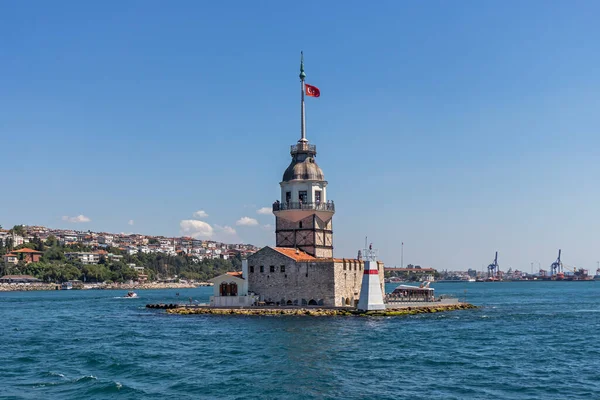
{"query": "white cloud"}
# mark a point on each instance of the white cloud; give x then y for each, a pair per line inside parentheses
(78, 219)
(130, 222)
(264, 210)
(246, 221)
(200, 214)
(225, 229)
(196, 229)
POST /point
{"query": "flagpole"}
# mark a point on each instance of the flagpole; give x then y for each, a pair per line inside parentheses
(302, 118)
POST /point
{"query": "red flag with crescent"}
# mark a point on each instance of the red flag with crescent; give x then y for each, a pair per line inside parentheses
(312, 91)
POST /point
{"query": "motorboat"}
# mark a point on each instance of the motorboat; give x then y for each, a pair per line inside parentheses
(131, 295)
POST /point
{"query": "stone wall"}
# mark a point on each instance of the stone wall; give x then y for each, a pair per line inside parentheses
(331, 281)
(299, 281)
(348, 281)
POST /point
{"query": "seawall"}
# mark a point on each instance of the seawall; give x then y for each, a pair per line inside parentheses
(315, 312)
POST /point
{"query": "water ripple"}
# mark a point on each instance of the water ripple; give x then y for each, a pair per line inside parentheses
(529, 341)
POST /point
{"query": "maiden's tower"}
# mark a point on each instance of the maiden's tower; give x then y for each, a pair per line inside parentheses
(301, 269)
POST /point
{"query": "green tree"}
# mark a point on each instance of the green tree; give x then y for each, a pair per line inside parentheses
(18, 230)
(54, 254)
(37, 242)
(96, 273)
(52, 241)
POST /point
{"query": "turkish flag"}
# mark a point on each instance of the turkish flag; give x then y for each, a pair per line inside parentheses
(312, 91)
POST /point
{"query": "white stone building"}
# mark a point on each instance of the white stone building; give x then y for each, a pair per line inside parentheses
(85, 258)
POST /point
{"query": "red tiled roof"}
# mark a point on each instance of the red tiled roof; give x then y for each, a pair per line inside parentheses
(237, 274)
(27, 251)
(296, 254)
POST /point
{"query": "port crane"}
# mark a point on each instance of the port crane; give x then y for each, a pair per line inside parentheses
(494, 268)
(557, 266)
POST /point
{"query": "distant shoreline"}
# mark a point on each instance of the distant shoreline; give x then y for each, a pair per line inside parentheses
(22, 287)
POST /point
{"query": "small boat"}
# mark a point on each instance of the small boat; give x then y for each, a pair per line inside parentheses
(131, 295)
(66, 286)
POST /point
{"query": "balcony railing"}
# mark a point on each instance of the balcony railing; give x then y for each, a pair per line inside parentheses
(303, 148)
(320, 206)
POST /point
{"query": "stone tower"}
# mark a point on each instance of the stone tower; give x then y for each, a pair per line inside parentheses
(304, 214)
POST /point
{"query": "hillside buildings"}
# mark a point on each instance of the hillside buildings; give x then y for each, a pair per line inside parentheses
(130, 244)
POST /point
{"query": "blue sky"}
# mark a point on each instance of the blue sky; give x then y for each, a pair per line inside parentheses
(458, 128)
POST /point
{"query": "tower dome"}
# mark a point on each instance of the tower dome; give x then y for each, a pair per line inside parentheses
(306, 169)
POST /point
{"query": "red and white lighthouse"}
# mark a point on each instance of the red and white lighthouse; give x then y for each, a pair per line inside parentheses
(371, 296)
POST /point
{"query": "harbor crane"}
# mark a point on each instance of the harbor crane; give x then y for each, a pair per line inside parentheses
(557, 266)
(494, 269)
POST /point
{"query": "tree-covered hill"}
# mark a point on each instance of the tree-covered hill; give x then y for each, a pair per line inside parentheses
(55, 267)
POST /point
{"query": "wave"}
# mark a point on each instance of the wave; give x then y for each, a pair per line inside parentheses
(56, 374)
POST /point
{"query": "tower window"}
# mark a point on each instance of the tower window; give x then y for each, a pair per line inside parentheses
(252, 268)
(282, 268)
(262, 268)
(302, 196)
(300, 224)
(317, 196)
(288, 197)
(272, 268)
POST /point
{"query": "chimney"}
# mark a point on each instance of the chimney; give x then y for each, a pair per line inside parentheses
(245, 268)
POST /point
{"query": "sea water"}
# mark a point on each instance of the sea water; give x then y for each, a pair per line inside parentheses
(529, 340)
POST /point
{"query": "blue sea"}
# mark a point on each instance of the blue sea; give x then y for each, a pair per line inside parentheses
(529, 340)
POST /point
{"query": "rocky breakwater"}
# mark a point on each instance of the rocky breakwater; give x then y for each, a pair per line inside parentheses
(316, 312)
(27, 287)
(151, 285)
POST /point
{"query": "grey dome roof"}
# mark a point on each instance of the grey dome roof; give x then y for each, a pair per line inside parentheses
(303, 170)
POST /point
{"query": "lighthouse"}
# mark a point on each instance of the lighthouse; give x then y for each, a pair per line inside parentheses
(303, 216)
(371, 296)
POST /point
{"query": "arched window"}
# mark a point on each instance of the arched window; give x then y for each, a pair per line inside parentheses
(320, 302)
(343, 300)
(233, 289)
(348, 301)
(304, 302)
(224, 289)
(289, 303)
(312, 302)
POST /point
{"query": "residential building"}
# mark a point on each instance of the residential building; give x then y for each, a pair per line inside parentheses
(28, 255)
(85, 258)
